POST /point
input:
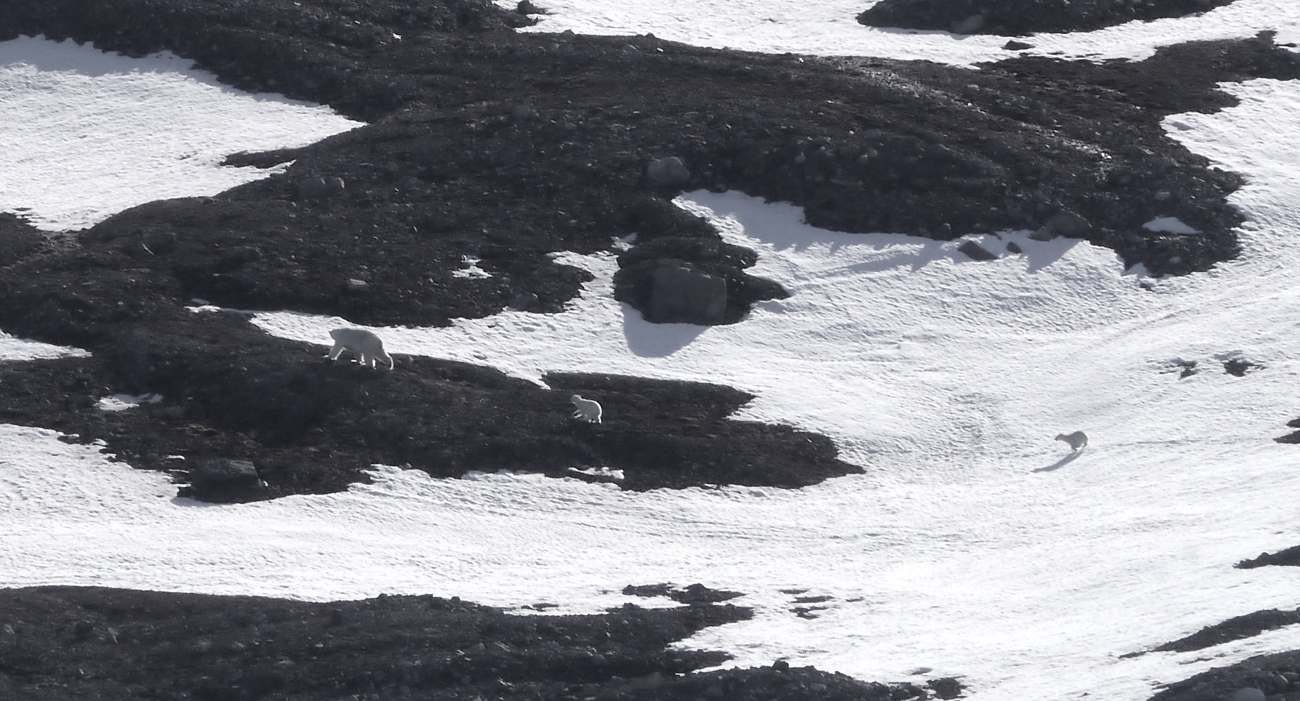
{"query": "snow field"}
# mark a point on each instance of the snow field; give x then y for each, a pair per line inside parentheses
(830, 28)
(88, 134)
(971, 546)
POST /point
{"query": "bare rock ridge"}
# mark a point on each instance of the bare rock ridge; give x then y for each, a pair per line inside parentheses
(1022, 17)
(507, 147)
(111, 644)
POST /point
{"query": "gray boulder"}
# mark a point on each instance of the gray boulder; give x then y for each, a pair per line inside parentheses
(224, 481)
(679, 294)
(974, 251)
(1063, 223)
(667, 172)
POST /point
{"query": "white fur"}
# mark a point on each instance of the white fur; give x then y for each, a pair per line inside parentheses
(586, 409)
(362, 343)
(1077, 440)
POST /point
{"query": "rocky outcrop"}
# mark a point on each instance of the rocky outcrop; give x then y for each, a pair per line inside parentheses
(223, 480)
(692, 280)
(1021, 17)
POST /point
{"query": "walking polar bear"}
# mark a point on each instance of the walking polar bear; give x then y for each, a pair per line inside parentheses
(586, 409)
(1077, 440)
(362, 343)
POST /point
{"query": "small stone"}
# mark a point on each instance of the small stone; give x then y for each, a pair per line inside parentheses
(223, 480)
(523, 301)
(1062, 223)
(974, 251)
(320, 188)
(667, 172)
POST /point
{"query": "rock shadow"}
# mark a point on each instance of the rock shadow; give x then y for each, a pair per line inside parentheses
(649, 340)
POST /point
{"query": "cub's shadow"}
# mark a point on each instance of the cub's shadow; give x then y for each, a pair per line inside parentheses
(1062, 462)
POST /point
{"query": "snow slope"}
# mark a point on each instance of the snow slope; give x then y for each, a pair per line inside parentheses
(974, 545)
(88, 134)
(830, 28)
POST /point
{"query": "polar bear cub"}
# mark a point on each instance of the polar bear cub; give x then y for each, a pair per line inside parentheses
(586, 409)
(1077, 440)
(362, 343)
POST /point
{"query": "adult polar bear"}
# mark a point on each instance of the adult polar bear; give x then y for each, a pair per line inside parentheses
(586, 409)
(362, 343)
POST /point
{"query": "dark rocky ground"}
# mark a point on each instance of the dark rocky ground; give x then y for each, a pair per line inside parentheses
(1276, 676)
(506, 147)
(1022, 17)
(74, 643)
(1287, 557)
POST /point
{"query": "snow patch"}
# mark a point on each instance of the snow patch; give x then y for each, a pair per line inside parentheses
(89, 134)
(122, 402)
(1169, 225)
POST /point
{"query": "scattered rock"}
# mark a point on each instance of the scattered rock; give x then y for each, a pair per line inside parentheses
(1238, 367)
(974, 251)
(946, 687)
(320, 188)
(526, 7)
(667, 173)
(524, 301)
(224, 481)
(1021, 17)
(693, 595)
(1273, 675)
(1063, 223)
(1184, 368)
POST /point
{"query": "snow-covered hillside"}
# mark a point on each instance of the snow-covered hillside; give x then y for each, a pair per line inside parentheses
(974, 545)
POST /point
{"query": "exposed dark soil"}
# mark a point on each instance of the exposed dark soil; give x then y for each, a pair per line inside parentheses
(507, 147)
(62, 643)
(1277, 676)
(1287, 557)
(1021, 17)
(1235, 628)
(1294, 436)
